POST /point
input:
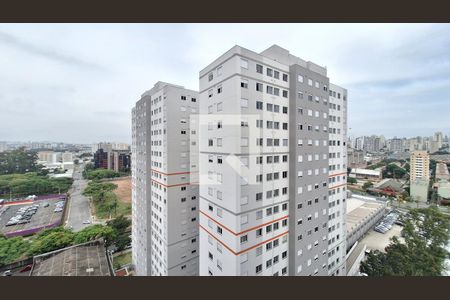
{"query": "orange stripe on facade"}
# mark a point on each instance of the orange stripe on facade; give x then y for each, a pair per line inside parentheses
(338, 186)
(337, 174)
(247, 230)
(245, 250)
(173, 185)
(170, 174)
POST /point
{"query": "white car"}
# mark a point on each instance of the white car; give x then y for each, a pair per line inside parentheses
(87, 222)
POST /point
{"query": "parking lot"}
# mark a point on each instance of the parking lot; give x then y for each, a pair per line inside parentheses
(39, 217)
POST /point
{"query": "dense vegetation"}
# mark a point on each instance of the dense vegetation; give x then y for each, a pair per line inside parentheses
(367, 185)
(352, 180)
(32, 184)
(105, 200)
(13, 249)
(18, 161)
(423, 252)
(91, 173)
(394, 171)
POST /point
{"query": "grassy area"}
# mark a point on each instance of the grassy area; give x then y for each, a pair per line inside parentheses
(108, 209)
(121, 260)
(106, 203)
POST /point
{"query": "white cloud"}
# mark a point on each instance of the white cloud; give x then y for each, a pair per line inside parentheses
(81, 80)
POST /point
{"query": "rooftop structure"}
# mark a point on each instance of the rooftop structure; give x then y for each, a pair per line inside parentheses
(442, 171)
(363, 173)
(89, 259)
(362, 213)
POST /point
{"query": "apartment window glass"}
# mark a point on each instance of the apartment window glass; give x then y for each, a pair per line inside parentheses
(244, 83)
(269, 72)
(276, 74)
(300, 78)
(285, 77)
(259, 69)
(259, 87)
(244, 239)
(244, 63)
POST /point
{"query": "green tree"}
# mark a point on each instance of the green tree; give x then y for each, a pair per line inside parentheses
(95, 232)
(394, 171)
(367, 184)
(423, 252)
(50, 240)
(18, 161)
(101, 174)
(352, 180)
(122, 241)
(12, 249)
(121, 223)
(32, 184)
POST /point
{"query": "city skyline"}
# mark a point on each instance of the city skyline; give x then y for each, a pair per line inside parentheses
(83, 76)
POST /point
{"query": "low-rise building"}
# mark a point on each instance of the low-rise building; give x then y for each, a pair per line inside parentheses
(375, 175)
(88, 259)
(362, 214)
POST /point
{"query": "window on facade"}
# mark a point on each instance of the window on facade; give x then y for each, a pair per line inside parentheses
(276, 74)
(258, 269)
(259, 87)
(259, 105)
(244, 239)
(259, 69)
(244, 63)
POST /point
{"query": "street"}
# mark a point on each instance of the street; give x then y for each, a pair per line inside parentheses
(78, 209)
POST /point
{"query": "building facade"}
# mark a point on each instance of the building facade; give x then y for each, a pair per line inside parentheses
(419, 175)
(419, 165)
(272, 142)
(164, 183)
(337, 182)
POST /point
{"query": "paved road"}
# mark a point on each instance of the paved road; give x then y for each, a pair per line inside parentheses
(78, 210)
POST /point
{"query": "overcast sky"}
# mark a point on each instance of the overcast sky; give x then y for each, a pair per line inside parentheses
(78, 82)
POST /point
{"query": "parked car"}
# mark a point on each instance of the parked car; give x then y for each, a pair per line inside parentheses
(87, 222)
(26, 268)
(7, 273)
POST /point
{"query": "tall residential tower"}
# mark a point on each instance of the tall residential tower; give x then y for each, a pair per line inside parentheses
(164, 182)
(272, 153)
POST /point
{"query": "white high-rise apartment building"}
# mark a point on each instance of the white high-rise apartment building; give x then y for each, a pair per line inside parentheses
(337, 181)
(267, 203)
(164, 182)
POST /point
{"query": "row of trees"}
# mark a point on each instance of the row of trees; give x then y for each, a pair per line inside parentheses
(115, 233)
(91, 173)
(422, 252)
(394, 171)
(32, 184)
(18, 161)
